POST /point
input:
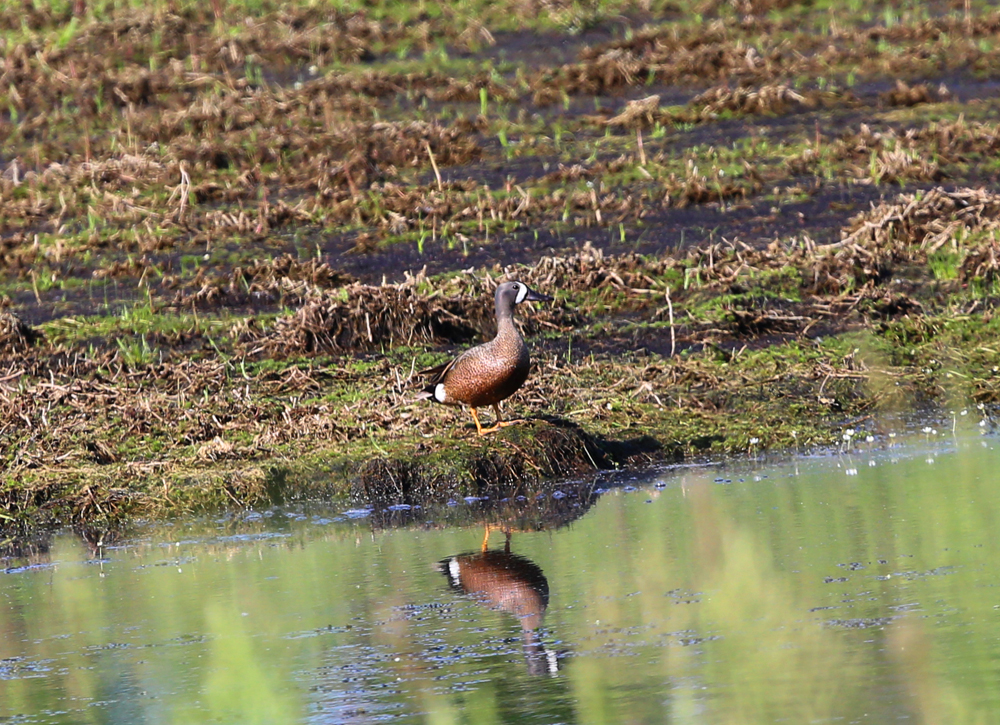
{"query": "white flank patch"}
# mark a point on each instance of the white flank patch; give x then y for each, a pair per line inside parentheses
(439, 394)
(553, 662)
(522, 292)
(455, 571)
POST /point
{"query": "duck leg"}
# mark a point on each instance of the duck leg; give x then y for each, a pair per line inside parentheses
(475, 417)
(484, 431)
(501, 423)
(506, 531)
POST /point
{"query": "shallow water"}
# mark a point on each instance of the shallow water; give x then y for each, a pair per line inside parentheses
(846, 588)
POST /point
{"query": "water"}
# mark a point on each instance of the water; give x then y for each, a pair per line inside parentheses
(860, 588)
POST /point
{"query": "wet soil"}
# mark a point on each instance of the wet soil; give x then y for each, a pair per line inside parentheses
(223, 248)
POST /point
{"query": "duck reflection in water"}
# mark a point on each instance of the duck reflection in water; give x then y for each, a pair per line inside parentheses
(511, 583)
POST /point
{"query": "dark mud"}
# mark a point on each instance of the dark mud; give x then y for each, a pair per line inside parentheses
(220, 249)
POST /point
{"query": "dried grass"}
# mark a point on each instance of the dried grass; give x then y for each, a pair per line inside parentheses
(640, 113)
(763, 7)
(982, 264)
(904, 94)
(285, 280)
(15, 335)
(361, 318)
(591, 269)
(924, 220)
(902, 154)
(766, 99)
(757, 51)
(745, 100)
(903, 232)
(230, 138)
(364, 317)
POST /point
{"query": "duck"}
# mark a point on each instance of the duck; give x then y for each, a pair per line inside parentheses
(509, 583)
(491, 372)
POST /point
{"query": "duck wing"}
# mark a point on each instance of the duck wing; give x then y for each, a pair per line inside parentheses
(437, 373)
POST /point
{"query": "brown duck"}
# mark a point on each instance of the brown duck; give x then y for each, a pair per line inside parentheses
(510, 583)
(489, 373)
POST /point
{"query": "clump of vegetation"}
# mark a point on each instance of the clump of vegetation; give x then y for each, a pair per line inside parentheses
(15, 335)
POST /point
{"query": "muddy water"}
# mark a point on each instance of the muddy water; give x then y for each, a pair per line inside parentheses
(854, 588)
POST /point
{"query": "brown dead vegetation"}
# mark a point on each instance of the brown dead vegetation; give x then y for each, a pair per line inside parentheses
(774, 98)
(15, 335)
(60, 409)
(901, 154)
(59, 404)
(757, 53)
(904, 94)
(836, 278)
(917, 226)
(215, 169)
(201, 126)
(876, 244)
(763, 7)
(84, 68)
(283, 280)
(745, 100)
(362, 317)
(925, 221)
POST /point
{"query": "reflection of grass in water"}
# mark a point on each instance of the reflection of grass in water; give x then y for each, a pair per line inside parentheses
(898, 514)
(758, 611)
(754, 559)
(241, 683)
(711, 583)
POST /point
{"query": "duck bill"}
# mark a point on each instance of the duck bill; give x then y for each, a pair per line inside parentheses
(533, 296)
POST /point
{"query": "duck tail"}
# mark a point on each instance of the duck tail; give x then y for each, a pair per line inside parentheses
(426, 394)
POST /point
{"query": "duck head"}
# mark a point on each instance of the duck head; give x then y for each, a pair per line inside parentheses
(510, 294)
